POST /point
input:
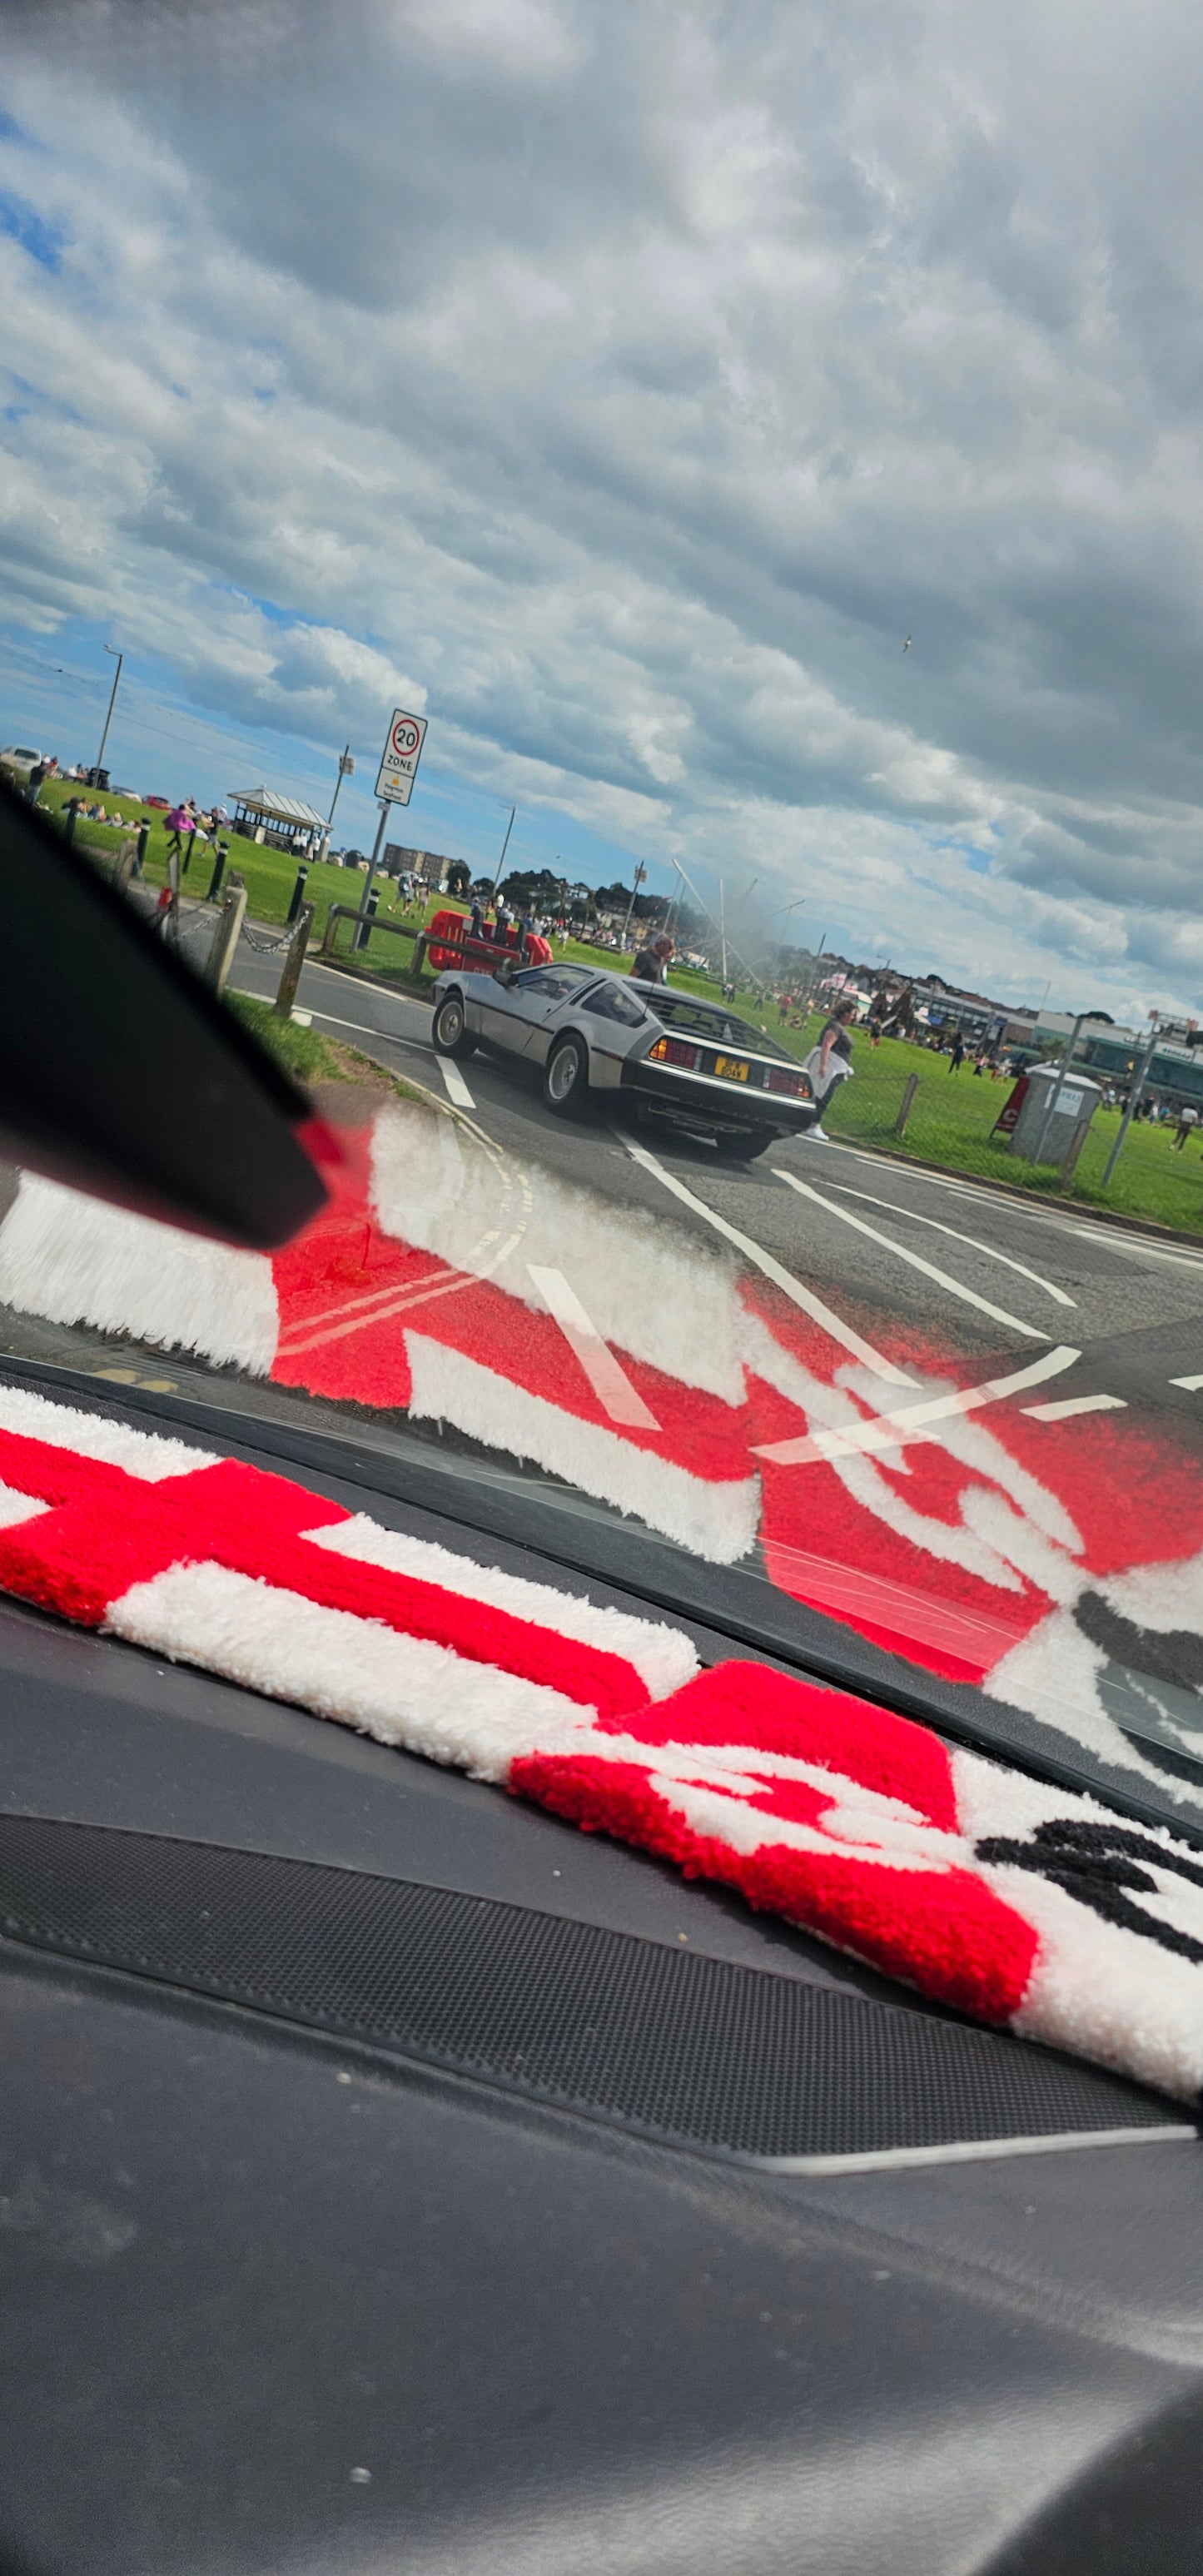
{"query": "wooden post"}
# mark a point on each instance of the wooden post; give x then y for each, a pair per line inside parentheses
(294, 961)
(225, 936)
(908, 1103)
(124, 869)
(219, 869)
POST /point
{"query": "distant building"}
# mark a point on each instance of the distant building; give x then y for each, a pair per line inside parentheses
(430, 865)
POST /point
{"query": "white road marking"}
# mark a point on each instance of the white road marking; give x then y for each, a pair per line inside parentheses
(763, 1261)
(1137, 1249)
(913, 1421)
(954, 1232)
(1075, 1404)
(1191, 1384)
(609, 1382)
(914, 1260)
(457, 1089)
(359, 1028)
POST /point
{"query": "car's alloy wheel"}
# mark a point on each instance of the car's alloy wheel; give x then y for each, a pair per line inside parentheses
(565, 1078)
(450, 1032)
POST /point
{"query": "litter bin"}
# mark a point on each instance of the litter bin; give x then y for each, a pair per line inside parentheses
(1070, 1119)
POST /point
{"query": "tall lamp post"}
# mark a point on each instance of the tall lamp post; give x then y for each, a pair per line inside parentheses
(120, 657)
(346, 769)
(640, 879)
(504, 847)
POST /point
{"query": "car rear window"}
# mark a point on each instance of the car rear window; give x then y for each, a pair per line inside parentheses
(680, 1011)
(613, 1002)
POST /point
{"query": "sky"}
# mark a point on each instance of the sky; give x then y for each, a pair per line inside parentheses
(621, 387)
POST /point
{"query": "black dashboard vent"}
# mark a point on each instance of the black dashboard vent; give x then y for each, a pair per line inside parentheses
(684, 2049)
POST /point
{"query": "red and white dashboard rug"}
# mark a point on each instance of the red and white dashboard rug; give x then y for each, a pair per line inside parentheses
(1021, 1904)
(858, 1464)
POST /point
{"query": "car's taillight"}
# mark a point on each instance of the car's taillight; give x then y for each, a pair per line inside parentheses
(673, 1051)
(795, 1084)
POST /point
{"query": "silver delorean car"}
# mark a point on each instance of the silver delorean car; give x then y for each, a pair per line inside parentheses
(669, 1056)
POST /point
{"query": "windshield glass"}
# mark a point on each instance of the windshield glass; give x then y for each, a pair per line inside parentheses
(466, 551)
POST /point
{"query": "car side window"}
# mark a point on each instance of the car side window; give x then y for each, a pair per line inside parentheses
(544, 980)
(611, 1003)
(550, 980)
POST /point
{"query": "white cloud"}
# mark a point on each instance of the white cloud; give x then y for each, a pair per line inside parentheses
(622, 385)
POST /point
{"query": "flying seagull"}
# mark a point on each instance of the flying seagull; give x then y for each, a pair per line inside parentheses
(907, 645)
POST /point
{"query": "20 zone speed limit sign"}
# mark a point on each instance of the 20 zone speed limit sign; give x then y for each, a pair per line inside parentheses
(402, 752)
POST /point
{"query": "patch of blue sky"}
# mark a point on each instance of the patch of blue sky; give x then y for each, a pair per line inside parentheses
(23, 223)
(11, 131)
(267, 608)
(977, 860)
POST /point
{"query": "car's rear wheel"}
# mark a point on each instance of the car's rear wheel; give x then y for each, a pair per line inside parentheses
(744, 1149)
(565, 1077)
(450, 1028)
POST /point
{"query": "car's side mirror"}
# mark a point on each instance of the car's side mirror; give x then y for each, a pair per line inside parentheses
(120, 1072)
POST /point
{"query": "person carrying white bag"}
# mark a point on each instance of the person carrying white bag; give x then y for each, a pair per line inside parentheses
(830, 1063)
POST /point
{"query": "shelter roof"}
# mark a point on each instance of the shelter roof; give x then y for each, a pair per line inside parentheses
(278, 809)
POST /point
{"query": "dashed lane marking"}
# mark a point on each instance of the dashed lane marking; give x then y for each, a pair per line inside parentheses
(805, 1298)
(1191, 1384)
(914, 1260)
(609, 1382)
(1075, 1404)
(954, 1232)
(457, 1088)
(914, 1421)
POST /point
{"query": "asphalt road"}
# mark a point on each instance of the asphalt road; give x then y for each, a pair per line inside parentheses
(982, 1276)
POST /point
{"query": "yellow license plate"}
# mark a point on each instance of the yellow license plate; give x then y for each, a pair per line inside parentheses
(732, 1068)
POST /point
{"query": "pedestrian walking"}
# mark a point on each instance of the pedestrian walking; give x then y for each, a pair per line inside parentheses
(179, 821)
(830, 1062)
(650, 965)
(957, 1057)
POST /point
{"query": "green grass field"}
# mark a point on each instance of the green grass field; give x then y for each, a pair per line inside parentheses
(949, 1124)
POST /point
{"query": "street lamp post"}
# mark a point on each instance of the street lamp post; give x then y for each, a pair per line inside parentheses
(346, 769)
(504, 847)
(639, 879)
(120, 657)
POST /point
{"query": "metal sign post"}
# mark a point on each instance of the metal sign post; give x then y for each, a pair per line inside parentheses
(1134, 1092)
(373, 863)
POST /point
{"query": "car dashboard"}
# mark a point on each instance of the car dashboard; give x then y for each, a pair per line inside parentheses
(395, 2176)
